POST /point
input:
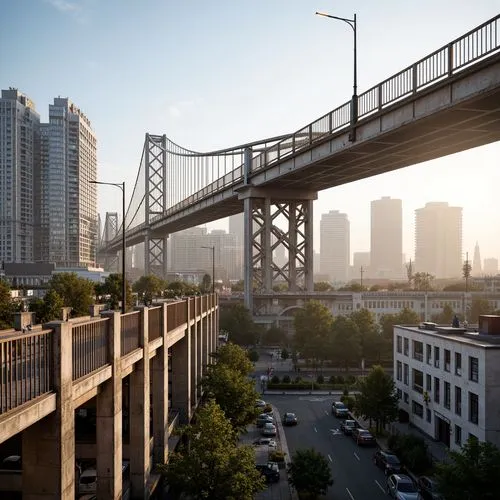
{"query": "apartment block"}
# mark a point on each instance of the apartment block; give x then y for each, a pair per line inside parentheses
(448, 380)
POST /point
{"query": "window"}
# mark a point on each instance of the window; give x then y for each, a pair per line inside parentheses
(399, 344)
(436, 389)
(429, 354)
(458, 435)
(436, 357)
(417, 409)
(447, 395)
(418, 350)
(406, 374)
(428, 415)
(399, 392)
(473, 408)
(418, 381)
(473, 369)
(405, 397)
(458, 400)
(447, 360)
(399, 370)
(428, 383)
(458, 364)
(406, 342)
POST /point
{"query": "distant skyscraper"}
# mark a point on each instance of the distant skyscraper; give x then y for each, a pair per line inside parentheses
(335, 246)
(236, 228)
(67, 215)
(476, 262)
(438, 240)
(386, 251)
(491, 266)
(19, 157)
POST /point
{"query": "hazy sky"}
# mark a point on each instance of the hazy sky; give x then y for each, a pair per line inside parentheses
(214, 74)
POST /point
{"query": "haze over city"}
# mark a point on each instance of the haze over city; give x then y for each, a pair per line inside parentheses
(215, 77)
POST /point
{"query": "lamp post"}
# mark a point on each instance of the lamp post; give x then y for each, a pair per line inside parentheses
(213, 265)
(120, 185)
(354, 105)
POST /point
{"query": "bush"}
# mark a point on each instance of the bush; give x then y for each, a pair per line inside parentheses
(277, 456)
(350, 380)
(340, 379)
(332, 379)
(411, 450)
(268, 408)
(298, 380)
(320, 379)
(286, 379)
(275, 379)
(253, 356)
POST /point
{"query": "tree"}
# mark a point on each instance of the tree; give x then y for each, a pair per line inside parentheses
(377, 399)
(478, 307)
(472, 472)
(112, 287)
(235, 358)
(238, 321)
(211, 465)
(6, 306)
(367, 327)
(284, 354)
(466, 272)
(48, 308)
(206, 284)
(310, 474)
(345, 344)
(445, 316)
(238, 286)
(148, 287)
(77, 293)
(274, 336)
(423, 281)
(323, 286)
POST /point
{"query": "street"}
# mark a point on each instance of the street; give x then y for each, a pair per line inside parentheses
(355, 476)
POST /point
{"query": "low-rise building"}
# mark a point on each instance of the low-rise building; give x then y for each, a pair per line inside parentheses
(448, 380)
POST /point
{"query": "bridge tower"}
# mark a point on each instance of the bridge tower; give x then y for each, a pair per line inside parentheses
(276, 218)
(155, 246)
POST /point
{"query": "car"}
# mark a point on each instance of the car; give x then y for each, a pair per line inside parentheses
(12, 462)
(290, 419)
(428, 488)
(387, 461)
(401, 487)
(269, 472)
(263, 419)
(265, 441)
(339, 409)
(347, 426)
(260, 403)
(269, 429)
(363, 437)
(88, 481)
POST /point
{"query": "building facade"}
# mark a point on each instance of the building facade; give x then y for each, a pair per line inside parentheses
(335, 246)
(448, 381)
(19, 157)
(438, 240)
(386, 249)
(490, 266)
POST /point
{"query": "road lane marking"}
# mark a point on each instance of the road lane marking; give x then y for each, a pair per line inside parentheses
(350, 494)
(326, 413)
(380, 486)
(357, 456)
(315, 430)
(335, 432)
(330, 458)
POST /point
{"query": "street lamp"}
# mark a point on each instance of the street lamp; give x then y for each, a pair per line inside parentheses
(213, 265)
(354, 106)
(120, 185)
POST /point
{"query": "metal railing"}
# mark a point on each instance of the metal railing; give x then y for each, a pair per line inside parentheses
(90, 347)
(130, 330)
(26, 368)
(154, 322)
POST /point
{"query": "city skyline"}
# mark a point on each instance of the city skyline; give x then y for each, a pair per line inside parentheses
(204, 113)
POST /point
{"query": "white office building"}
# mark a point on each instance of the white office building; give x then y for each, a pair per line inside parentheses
(448, 380)
(334, 251)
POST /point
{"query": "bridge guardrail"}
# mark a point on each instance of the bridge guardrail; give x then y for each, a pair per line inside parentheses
(154, 322)
(90, 347)
(130, 328)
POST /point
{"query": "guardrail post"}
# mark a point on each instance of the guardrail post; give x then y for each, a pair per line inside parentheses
(139, 415)
(160, 394)
(450, 58)
(109, 419)
(48, 448)
(414, 74)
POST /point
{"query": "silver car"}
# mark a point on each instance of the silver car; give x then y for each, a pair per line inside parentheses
(401, 487)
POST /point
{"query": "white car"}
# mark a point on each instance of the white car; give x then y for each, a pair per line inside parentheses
(269, 429)
(265, 441)
(88, 481)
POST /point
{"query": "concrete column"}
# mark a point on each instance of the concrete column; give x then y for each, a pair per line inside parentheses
(139, 416)
(204, 339)
(160, 396)
(109, 420)
(248, 252)
(181, 376)
(193, 332)
(48, 447)
(309, 250)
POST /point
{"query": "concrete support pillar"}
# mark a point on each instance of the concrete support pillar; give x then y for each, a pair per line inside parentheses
(139, 416)
(193, 332)
(48, 447)
(309, 250)
(109, 420)
(181, 376)
(160, 396)
(206, 345)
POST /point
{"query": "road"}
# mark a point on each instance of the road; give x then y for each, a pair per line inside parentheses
(355, 476)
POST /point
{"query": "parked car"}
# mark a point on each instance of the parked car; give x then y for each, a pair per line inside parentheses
(12, 462)
(269, 472)
(264, 418)
(363, 437)
(347, 426)
(428, 488)
(387, 461)
(339, 409)
(269, 429)
(401, 487)
(88, 481)
(290, 419)
(260, 403)
(265, 441)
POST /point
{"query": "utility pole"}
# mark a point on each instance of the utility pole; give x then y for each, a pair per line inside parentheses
(361, 278)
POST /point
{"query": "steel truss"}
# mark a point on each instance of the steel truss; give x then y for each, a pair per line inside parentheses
(110, 260)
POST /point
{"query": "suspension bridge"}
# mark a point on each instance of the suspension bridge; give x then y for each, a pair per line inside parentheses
(447, 102)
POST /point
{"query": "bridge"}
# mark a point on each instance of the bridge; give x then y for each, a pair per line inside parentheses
(445, 103)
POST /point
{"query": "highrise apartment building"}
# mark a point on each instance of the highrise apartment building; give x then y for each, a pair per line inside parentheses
(19, 146)
(477, 269)
(335, 246)
(386, 248)
(438, 240)
(67, 215)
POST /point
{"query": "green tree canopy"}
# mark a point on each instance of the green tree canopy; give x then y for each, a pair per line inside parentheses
(238, 286)
(237, 320)
(6, 306)
(367, 327)
(206, 284)
(478, 307)
(310, 474)
(345, 342)
(423, 281)
(212, 465)
(323, 286)
(48, 308)
(148, 287)
(274, 336)
(445, 317)
(112, 287)
(235, 358)
(377, 399)
(77, 293)
(472, 472)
